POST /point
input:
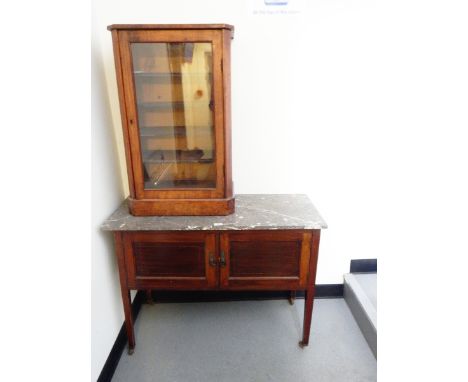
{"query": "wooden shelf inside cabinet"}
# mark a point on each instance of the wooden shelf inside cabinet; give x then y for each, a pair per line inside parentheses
(186, 183)
(172, 131)
(142, 74)
(161, 105)
(176, 105)
(178, 156)
(174, 91)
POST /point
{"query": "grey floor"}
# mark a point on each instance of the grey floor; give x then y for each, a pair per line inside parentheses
(246, 341)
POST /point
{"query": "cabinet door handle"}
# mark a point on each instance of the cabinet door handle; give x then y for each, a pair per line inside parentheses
(222, 260)
(212, 261)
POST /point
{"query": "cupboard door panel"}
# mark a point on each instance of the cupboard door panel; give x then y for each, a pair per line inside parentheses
(170, 260)
(265, 260)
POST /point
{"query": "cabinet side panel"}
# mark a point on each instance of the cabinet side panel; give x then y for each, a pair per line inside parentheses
(218, 97)
(131, 113)
(314, 252)
(123, 111)
(305, 258)
(227, 36)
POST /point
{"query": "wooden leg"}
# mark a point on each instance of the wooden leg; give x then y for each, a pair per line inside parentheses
(292, 297)
(310, 292)
(308, 307)
(128, 321)
(127, 302)
(149, 297)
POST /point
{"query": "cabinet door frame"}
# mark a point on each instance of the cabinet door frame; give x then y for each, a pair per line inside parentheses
(209, 281)
(126, 38)
(266, 282)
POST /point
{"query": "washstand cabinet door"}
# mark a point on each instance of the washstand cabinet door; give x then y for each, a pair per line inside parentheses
(170, 260)
(264, 260)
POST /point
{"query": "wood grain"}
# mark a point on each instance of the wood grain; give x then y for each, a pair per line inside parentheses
(264, 259)
(226, 68)
(187, 207)
(267, 258)
(124, 289)
(310, 292)
(169, 259)
(123, 111)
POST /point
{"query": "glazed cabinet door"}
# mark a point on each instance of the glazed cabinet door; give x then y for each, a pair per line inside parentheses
(264, 260)
(174, 112)
(171, 260)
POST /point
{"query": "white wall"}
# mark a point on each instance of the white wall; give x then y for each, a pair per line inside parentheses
(107, 193)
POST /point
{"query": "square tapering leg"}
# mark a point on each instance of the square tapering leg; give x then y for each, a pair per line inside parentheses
(126, 299)
(310, 292)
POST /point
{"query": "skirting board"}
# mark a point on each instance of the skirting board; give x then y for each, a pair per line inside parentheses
(120, 343)
(321, 291)
(363, 266)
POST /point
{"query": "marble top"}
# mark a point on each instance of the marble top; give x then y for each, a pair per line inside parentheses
(253, 211)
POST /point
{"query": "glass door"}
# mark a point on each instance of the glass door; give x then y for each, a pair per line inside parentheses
(174, 106)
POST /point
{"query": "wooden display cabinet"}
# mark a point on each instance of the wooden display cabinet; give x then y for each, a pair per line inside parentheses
(174, 92)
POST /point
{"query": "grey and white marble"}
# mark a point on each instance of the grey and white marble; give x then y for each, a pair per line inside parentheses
(253, 211)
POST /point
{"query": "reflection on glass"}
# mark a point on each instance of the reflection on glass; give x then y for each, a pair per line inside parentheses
(173, 83)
